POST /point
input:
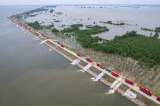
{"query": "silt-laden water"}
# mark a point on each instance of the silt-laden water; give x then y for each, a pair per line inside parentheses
(32, 75)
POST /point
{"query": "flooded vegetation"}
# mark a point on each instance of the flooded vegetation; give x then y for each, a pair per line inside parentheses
(127, 18)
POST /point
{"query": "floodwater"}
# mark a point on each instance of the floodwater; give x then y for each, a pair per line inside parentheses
(135, 17)
(33, 75)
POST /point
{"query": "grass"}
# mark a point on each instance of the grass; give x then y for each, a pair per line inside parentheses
(123, 85)
(109, 78)
(56, 21)
(73, 50)
(97, 70)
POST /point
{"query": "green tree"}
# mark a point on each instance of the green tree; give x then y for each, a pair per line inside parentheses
(35, 25)
(157, 29)
(54, 30)
(156, 35)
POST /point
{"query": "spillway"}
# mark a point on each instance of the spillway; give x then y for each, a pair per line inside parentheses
(37, 37)
(99, 76)
(115, 82)
(118, 85)
(87, 66)
(76, 61)
(43, 42)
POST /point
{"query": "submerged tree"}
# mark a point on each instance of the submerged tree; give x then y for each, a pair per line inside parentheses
(156, 35)
(35, 25)
(54, 30)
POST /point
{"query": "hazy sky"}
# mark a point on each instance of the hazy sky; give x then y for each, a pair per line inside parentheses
(50, 2)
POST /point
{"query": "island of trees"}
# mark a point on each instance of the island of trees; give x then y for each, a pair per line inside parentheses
(157, 29)
(35, 25)
(54, 30)
(110, 22)
(56, 21)
(72, 28)
(147, 29)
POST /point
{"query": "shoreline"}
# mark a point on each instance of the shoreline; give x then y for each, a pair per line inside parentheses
(71, 57)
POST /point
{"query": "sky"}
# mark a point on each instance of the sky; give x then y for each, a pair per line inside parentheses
(52, 2)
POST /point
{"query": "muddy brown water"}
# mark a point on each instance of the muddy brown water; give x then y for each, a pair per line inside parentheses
(31, 75)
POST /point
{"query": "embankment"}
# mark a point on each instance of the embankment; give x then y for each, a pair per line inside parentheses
(106, 79)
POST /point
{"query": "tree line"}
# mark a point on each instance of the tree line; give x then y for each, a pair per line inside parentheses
(88, 41)
(35, 25)
(142, 48)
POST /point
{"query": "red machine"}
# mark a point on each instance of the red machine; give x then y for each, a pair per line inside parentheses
(79, 54)
(42, 35)
(145, 90)
(62, 45)
(158, 98)
(89, 60)
(47, 37)
(102, 67)
(114, 74)
(98, 65)
(129, 81)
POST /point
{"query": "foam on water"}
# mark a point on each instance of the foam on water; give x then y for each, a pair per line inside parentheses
(50, 49)
(110, 92)
(81, 70)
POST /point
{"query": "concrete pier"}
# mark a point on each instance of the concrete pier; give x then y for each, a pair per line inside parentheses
(87, 66)
(43, 42)
(99, 76)
(75, 62)
(115, 83)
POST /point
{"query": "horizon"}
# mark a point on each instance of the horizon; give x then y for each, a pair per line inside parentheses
(61, 2)
(70, 4)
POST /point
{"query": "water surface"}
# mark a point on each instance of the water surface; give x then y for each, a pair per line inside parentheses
(134, 17)
(31, 75)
